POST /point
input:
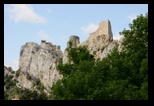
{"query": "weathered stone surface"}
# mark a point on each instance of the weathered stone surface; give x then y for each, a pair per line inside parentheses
(8, 71)
(65, 57)
(99, 39)
(108, 49)
(99, 43)
(103, 29)
(75, 41)
(40, 61)
(120, 43)
(23, 81)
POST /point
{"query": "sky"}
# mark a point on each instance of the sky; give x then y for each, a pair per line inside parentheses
(56, 22)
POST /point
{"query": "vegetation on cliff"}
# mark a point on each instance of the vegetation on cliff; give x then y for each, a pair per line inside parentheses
(14, 92)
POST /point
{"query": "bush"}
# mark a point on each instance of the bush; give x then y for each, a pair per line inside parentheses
(17, 73)
(28, 76)
(36, 82)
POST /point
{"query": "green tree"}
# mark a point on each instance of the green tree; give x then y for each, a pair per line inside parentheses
(17, 73)
(136, 47)
(75, 74)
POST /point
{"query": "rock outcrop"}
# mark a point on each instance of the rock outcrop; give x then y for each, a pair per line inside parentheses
(39, 61)
(8, 71)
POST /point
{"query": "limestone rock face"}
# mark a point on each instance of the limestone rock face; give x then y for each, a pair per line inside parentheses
(40, 61)
(108, 49)
(120, 43)
(65, 57)
(23, 81)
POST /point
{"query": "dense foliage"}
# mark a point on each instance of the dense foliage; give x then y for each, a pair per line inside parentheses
(120, 76)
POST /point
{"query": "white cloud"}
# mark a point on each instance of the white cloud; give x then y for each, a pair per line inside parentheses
(24, 13)
(89, 28)
(132, 17)
(43, 35)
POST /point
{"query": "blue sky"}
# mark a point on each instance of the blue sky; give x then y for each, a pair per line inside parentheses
(56, 22)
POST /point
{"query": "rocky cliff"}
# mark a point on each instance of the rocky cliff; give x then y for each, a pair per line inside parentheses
(39, 61)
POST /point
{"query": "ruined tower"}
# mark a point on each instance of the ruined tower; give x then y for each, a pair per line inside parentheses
(103, 29)
(43, 41)
(75, 40)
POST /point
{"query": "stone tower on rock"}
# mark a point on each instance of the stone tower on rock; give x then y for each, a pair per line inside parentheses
(103, 29)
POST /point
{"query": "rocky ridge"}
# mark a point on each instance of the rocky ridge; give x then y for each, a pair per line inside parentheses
(40, 61)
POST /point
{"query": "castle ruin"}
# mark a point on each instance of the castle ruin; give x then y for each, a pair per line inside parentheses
(44, 44)
(103, 32)
(75, 40)
(43, 41)
(103, 29)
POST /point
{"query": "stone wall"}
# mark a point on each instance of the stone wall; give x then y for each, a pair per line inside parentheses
(100, 42)
(103, 29)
